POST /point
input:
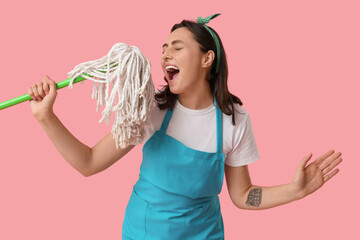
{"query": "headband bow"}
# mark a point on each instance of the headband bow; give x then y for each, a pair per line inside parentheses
(203, 21)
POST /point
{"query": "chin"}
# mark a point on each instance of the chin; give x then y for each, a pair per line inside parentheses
(174, 90)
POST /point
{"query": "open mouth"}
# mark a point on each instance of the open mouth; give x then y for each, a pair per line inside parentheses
(172, 72)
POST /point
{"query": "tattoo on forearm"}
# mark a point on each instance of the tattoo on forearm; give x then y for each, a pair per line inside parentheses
(254, 197)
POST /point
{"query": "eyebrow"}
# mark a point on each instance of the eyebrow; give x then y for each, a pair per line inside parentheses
(172, 43)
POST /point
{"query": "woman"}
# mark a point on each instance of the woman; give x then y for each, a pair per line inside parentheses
(184, 160)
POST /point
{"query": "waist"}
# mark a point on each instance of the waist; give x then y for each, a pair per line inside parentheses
(167, 200)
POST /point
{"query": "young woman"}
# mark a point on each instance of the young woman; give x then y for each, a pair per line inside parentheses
(199, 133)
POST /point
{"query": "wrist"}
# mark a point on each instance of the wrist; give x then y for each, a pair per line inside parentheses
(296, 191)
(44, 116)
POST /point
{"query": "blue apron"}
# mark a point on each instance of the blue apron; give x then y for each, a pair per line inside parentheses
(176, 195)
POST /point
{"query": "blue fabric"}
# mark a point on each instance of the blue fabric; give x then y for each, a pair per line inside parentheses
(176, 195)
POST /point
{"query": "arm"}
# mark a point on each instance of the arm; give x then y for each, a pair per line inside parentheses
(307, 179)
(245, 195)
(86, 160)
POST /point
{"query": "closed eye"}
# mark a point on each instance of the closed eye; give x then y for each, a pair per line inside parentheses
(176, 49)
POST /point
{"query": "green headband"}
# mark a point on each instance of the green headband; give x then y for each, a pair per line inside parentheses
(203, 21)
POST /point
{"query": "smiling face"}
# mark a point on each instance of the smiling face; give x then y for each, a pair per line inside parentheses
(184, 65)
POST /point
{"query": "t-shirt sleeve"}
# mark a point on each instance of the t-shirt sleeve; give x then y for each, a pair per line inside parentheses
(148, 130)
(245, 149)
(153, 119)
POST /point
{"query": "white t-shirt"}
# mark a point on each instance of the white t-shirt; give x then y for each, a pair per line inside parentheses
(197, 129)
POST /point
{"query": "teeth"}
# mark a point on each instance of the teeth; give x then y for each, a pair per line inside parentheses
(171, 67)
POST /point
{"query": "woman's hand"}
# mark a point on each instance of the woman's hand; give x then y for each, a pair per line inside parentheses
(43, 95)
(309, 178)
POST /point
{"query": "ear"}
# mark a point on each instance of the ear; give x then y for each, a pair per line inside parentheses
(208, 59)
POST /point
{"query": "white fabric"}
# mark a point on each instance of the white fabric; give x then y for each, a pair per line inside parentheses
(197, 129)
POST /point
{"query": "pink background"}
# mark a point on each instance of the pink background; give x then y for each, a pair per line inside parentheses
(294, 64)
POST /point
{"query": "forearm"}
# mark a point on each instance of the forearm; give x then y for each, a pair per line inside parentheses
(258, 197)
(307, 179)
(74, 152)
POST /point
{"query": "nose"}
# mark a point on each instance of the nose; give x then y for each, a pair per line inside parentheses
(166, 55)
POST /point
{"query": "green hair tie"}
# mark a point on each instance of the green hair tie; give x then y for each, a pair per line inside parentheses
(203, 21)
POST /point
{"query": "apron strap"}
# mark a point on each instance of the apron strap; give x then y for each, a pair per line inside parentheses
(166, 120)
(219, 128)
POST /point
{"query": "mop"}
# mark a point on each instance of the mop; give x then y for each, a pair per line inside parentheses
(123, 84)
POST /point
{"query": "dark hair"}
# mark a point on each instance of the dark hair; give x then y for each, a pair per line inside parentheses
(218, 81)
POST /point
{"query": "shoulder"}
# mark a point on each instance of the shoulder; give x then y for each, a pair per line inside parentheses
(239, 140)
(235, 135)
(241, 117)
(155, 117)
(153, 120)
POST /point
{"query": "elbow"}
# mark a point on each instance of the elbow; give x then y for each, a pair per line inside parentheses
(238, 202)
(90, 171)
(86, 174)
(86, 171)
(251, 200)
(240, 205)
(241, 201)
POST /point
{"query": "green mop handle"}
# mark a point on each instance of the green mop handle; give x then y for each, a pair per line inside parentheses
(27, 97)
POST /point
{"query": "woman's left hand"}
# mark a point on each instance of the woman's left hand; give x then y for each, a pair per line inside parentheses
(309, 178)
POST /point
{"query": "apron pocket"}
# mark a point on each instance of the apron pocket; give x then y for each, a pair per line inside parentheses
(134, 225)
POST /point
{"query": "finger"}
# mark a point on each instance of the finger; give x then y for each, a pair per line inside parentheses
(331, 175)
(36, 93)
(331, 166)
(52, 84)
(305, 160)
(323, 157)
(328, 161)
(46, 87)
(47, 78)
(41, 89)
(31, 93)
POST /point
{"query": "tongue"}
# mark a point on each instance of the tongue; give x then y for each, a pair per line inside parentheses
(174, 76)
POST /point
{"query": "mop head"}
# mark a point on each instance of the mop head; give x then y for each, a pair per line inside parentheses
(123, 83)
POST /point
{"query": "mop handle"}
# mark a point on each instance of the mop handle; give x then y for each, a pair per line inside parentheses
(27, 97)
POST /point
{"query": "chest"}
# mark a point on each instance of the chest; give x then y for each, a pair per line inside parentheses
(195, 131)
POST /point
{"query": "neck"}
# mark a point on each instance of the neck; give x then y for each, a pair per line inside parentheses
(197, 98)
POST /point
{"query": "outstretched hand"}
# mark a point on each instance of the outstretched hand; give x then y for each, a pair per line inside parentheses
(309, 178)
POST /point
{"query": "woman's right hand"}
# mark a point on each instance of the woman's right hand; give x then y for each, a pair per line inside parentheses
(43, 96)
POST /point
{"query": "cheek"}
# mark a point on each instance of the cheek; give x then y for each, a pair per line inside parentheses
(189, 62)
(192, 66)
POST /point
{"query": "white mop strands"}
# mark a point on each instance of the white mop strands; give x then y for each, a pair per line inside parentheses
(123, 82)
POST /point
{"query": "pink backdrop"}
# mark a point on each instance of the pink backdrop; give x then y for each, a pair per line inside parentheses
(295, 65)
